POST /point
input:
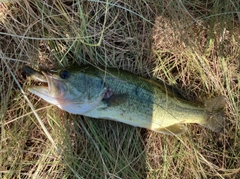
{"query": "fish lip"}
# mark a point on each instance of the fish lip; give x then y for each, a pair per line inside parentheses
(39, 90)
(56, 88)
(48, 77)
(42, 92)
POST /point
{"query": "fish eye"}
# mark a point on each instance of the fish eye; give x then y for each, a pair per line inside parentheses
(64, 74)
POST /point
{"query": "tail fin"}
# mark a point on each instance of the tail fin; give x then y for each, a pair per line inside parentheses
(215, 113)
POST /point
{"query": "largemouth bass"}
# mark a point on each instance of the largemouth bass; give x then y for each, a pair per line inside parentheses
(122, 96)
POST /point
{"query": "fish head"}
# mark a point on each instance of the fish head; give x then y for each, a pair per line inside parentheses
(76, 90)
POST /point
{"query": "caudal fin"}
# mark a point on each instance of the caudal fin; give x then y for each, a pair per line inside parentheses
(215, 113)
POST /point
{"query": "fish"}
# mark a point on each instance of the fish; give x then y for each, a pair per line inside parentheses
(113, 94)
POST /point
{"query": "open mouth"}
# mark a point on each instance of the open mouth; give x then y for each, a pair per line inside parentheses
(38, 77)
(50, 89)
(35, 75)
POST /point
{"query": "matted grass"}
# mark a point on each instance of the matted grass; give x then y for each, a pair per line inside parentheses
(193, 45)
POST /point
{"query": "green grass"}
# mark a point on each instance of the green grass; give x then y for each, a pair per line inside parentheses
(193, 45)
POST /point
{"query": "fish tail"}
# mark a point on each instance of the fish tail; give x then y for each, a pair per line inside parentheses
(214, 118)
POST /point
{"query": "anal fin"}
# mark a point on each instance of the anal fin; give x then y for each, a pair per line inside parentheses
(175, 129)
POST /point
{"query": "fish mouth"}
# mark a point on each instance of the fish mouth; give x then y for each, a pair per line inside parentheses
(51, 89)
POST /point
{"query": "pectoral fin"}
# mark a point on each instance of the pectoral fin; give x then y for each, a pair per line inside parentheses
(175, 129)
(115, 100)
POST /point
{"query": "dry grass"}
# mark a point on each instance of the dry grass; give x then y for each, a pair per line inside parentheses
(193, 45)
